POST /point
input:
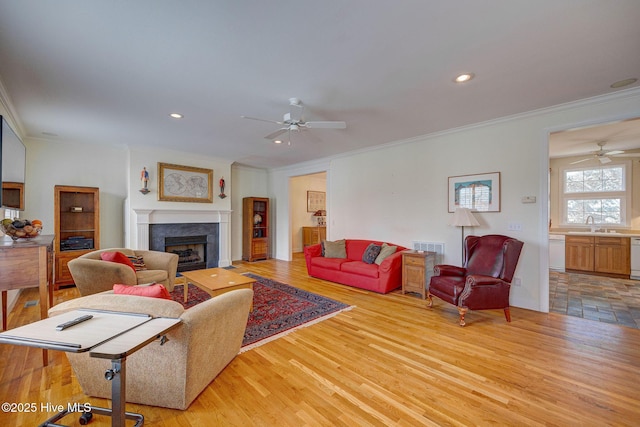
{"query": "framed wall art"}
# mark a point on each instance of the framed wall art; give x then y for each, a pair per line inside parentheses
(316, 200)
(178, 183)
(480, 193)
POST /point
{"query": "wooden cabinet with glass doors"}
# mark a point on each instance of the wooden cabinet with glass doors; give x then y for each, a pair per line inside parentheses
(255, 228)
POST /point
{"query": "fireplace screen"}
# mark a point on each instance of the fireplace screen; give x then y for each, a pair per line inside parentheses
(191, 251)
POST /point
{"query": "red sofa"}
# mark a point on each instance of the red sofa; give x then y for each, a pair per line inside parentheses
(353, 271)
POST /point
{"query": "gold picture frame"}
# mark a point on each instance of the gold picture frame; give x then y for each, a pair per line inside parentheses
(480, 192)
(316, 201)
(177, 183)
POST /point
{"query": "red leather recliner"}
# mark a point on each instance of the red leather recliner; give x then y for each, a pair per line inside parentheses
(484, 281)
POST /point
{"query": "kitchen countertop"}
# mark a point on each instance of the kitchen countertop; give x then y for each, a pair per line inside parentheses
(595, 233)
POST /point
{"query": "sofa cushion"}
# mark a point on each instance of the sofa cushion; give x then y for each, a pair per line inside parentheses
(118, 257)
(356, 248)
(385, 252)
(360, 268)
(335, 249)
(328, 263)
(155, 290)
(150, 276)
(371, 253)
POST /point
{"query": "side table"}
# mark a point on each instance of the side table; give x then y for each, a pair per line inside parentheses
(417, 269)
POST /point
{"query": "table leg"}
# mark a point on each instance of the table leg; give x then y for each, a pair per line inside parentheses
(118, 367)
(186, 289)
(4, 310)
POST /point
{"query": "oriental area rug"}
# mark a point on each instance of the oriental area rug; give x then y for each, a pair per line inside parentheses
(278, 309)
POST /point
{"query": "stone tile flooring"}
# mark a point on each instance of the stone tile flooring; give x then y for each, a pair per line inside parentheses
(597, 298)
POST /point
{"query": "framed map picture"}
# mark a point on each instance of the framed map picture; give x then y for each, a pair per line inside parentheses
(178, 183)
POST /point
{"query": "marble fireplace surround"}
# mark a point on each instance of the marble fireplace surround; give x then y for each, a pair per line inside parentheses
(145, 217)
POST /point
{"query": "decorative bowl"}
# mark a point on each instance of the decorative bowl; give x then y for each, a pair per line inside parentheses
(21, 228)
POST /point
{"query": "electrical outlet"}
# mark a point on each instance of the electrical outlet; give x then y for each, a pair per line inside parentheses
(515, 226)
(517, 281)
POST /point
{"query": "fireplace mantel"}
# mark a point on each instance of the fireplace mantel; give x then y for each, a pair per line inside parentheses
(144, 217)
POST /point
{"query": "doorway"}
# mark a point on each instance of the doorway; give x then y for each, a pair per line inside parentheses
(589, 148)
(302, 214)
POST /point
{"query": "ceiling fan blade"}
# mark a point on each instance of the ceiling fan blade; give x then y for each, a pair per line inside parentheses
(326, 125)
(262, 120)
(627, 155)
(276, 133)
(580, 161)
(614, 152)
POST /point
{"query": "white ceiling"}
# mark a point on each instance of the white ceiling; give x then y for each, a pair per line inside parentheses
(110, 72)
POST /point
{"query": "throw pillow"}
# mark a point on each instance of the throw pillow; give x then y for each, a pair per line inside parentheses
(337, 249)
(118, 257)
(385, 251)
(138, 262)
(155, 290)
(371, 253)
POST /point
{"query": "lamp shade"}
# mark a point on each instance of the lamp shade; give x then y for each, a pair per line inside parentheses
(463, 217)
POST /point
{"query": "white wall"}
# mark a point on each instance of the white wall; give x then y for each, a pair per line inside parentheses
(247, 182)
(398, 193)
(51, 163)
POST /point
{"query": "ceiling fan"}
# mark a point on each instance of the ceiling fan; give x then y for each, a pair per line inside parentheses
(604, 155)
(294, 121)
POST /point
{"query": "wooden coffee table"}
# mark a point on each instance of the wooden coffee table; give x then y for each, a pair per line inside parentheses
(216, 281)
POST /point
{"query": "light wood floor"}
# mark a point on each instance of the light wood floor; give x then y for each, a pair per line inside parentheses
(389, 361)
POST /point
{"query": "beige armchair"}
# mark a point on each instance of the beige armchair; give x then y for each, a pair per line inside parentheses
(92, 275)
(171, 375)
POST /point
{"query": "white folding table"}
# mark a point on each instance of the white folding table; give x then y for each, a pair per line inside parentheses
(107, 335)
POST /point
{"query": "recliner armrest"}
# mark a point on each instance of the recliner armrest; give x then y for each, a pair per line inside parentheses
(480, 280)
(449, 270)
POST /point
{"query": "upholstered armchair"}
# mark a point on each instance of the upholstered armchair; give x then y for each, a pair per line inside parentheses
(484, 281)
(92, 275)
(173, 374)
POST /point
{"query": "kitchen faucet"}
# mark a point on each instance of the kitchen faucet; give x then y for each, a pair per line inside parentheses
(593, 223)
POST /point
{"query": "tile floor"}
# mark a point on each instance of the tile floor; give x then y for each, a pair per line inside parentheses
(597, 298)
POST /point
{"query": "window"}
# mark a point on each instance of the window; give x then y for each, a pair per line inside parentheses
(598, 192)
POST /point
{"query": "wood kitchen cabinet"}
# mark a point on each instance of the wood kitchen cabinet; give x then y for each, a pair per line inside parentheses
(579, 253)
(598, 255)
(612, 255)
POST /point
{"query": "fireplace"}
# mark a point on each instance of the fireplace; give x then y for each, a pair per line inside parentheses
(196, 244)
(191, 251)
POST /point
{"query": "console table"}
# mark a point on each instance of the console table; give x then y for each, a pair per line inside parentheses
(27, 263)
(106, 335)
(313, 235)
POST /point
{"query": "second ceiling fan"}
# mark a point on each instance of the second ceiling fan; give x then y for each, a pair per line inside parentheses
(294, 121)
(604, 155)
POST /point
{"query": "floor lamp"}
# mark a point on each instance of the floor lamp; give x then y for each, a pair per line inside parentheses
(463, 217)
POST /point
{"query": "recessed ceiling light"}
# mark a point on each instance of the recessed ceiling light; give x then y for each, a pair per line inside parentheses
(623, 83)
(462, 78)
(277, 141)
(176, 115)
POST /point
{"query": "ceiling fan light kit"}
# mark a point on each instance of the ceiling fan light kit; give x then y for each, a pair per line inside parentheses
(294, 121)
